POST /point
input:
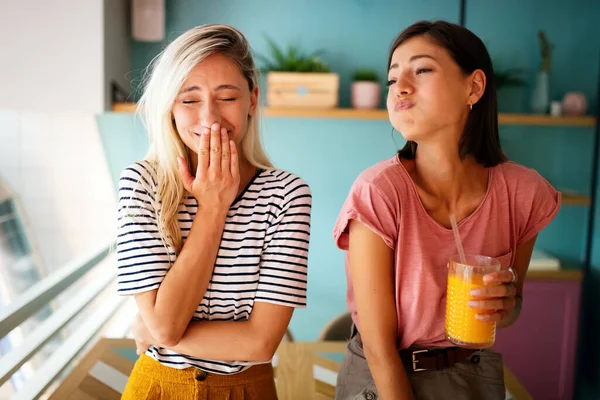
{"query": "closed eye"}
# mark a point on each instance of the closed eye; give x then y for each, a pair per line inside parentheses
(423, 70)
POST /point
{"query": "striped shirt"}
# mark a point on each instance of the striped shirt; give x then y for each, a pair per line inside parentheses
(262, 256)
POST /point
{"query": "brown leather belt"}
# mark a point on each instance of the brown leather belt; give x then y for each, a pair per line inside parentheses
(417, 360)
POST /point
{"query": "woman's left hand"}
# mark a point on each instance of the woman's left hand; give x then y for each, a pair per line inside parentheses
(143, 338)
(496, 300)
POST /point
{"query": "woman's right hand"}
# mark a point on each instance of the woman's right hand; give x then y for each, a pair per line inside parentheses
(217, 179)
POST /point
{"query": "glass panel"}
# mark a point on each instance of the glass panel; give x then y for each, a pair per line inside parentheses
(18, 272)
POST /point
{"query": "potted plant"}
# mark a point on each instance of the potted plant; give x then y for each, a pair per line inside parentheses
(507, 82)
(508, 77)
(540, 100)
(365, 89)
(295, 79)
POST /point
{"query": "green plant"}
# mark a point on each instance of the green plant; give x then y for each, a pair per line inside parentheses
(365, 75)
(545, 51)
(508, 77)
(291, 60)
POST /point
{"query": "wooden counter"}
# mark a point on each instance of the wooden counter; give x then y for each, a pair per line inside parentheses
(304, 371)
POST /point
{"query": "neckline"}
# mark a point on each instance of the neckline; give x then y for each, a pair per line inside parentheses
(241, 195)
(491, 177)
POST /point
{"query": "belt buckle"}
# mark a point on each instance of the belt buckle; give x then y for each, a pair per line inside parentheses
(415, 361)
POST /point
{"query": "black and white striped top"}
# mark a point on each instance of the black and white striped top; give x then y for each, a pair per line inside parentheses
(263, 253)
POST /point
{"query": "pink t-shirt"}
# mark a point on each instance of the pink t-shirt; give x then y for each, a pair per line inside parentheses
(518, 204)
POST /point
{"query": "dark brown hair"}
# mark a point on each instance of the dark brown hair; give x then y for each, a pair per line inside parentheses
(480, 136)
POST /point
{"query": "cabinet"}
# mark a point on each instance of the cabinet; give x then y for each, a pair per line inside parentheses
(541, 347)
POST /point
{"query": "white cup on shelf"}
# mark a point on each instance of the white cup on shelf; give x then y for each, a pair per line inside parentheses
(556, 109)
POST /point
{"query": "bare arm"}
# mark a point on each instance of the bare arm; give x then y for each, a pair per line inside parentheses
(167, 311)
(256, 339)
(371, 263)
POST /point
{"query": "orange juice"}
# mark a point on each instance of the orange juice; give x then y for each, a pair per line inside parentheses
(462, 328)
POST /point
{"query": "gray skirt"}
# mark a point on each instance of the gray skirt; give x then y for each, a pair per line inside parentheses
(479, 378)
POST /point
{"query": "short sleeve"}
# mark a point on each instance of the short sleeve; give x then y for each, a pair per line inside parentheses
(142, 258)
(368, 204)
(284, 262)
(537, 205)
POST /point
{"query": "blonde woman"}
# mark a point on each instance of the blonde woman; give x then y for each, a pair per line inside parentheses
(213, 241)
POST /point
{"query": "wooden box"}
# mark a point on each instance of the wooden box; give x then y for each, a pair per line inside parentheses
(302, 89)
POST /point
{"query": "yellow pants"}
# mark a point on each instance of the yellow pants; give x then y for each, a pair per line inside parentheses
(151, 380)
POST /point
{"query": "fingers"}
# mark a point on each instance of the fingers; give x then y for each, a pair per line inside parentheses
(225, 152)
(506, 290)
(234, 162)
(497, 278)
(203, 153)
(184, 174)
(502, 303)
(495, 302)
(217, 174)
(492, 317)
(214, 166)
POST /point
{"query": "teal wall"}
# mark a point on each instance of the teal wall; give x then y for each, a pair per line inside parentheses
(329, 154)
(509, 30)
(351, 33)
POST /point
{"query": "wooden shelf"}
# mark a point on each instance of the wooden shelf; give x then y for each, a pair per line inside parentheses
(533, 119)
(341, 113)
(573, 199)
(351, 113)
(124, 107)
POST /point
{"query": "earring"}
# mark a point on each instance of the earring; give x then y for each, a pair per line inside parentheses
(471, 106)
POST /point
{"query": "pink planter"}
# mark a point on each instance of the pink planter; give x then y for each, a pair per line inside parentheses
(574, 103)
(365, 94)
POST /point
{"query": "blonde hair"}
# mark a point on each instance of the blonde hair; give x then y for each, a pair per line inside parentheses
(164, 77)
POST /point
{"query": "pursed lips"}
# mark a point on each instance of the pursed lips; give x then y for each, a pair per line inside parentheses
(404, 105)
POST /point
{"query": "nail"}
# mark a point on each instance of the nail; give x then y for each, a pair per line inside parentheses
(476, 292)
(215, 127)
(223, 131)
(473, 304)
